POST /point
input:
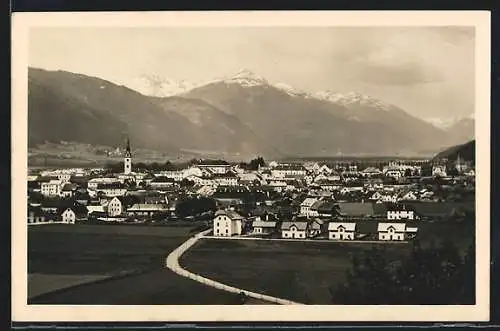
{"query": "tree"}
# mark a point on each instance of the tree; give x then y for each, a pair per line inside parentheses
(256, 163)
(431, 275)
(195, 206)
(408, 172)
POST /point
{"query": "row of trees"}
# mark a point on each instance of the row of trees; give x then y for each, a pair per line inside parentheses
(434, 275)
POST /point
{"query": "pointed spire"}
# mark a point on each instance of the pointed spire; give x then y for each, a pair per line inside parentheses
(128, 153)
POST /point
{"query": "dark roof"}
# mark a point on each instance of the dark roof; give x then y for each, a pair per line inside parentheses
(163, 179)
(300, 225)
(294, 167)
(327, 206)
(108, 186)
(356, 208)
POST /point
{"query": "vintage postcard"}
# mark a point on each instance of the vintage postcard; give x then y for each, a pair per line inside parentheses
(251, 166)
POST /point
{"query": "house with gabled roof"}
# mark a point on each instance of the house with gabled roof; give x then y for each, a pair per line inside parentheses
(341, 230)
(306, 205)
(228, 223)
(389, 231)
(263, 226)
(294, 229)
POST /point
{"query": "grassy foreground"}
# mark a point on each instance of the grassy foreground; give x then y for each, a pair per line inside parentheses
(299, 271)
(62, 256)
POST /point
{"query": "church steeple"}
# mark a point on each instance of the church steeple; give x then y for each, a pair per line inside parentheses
(127, 160)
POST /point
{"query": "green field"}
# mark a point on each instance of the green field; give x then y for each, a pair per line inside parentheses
(300, 271)
(62, 256)
(100, 249)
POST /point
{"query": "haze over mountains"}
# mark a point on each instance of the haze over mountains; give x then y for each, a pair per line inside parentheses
(242, 114)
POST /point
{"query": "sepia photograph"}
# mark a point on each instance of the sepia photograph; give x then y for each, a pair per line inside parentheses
(174, 165)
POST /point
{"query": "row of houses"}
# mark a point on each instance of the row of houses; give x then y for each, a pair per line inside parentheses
(116, 209)
(228, 223)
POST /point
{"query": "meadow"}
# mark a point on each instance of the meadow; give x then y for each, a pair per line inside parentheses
(299, 271)
(111, 264)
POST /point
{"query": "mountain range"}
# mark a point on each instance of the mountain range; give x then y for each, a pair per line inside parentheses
(242, 114)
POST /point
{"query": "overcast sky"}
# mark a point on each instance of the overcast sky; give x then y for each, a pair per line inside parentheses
(429, 72)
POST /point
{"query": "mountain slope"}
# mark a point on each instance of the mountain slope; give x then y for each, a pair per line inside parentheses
(214, 130)
(300, 124)
(466, 151)
(73, 107)
(242, 114)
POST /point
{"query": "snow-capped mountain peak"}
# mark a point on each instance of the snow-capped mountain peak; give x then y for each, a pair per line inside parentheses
(292, 91)
(245, 78)
(447, 123)
(351, 98)
(154, 85)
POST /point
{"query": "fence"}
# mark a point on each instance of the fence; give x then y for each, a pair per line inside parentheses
(172, 262)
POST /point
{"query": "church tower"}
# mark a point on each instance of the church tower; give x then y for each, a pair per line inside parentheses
(127, 160)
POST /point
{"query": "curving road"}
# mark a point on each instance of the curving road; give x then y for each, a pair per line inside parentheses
(172, 262)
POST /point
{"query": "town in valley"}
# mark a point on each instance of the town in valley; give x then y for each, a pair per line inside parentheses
(176, 174)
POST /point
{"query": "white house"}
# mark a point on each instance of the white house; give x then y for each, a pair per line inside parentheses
(176, 175)
(111, 189)
(389, 197)
(66, 191)
(305, 206)
(294, 230)
(408, 196)
(193, 171)
(142, 209)
(64, 177)
(341, 230)
(391, 231)
(324, 169)
(394, 173)
(162, 182)
(52, 188)
(263, 227)
(96, 209)
(94, 182)
(228, 179)
(371, 171)
(400, 212)
(115, 207)
(285, 170)
(227, 223)
(215, 168)
(68, 216)
(439, 171)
